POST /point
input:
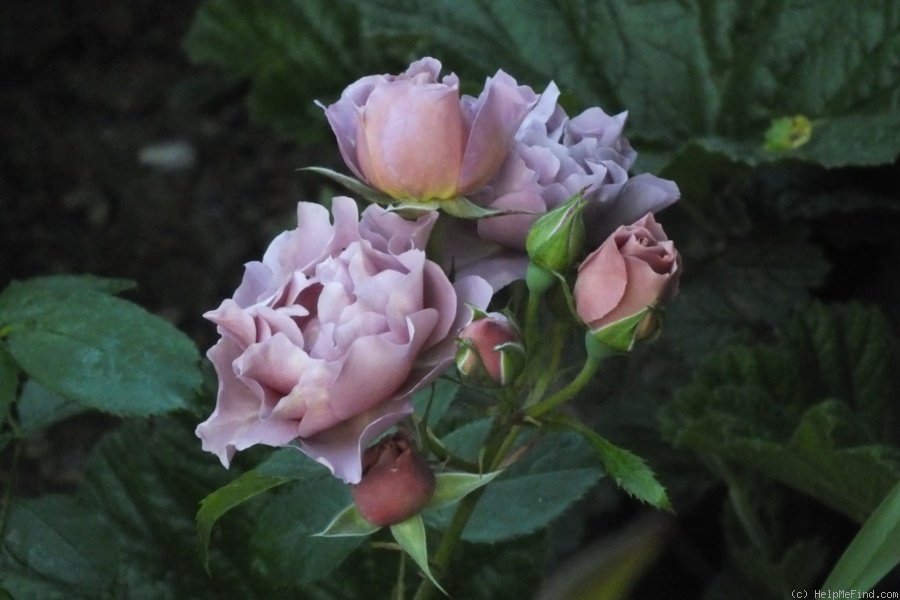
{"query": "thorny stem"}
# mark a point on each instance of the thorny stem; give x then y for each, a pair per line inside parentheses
(437, 448)
(400, 590)
(568, 392)
(500, 441)
(547, 375)
(531, 320)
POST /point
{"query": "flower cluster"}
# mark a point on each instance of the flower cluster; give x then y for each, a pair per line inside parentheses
(327, 338)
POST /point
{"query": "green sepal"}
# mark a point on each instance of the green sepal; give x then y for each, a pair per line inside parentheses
(452, 487)
(354, 185)
(621, 335)
(410, 534)
(349, 522)
(463, 208)
(477, 313)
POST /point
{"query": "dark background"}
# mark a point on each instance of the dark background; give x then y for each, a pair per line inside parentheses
(85, 87)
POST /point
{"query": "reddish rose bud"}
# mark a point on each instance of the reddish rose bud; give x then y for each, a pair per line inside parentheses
(621, 283)
(490, 351)
(396, 483)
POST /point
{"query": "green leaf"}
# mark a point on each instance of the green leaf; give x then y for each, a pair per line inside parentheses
(435, 400)
(55, 548)
(293, 51)
(874, 552)
(283, 539)
(738, 64)
(629, 471)
(551, 476)
(290, 463)
(9, 382)
(73, 283)
(39, 408)
(218, 503)
(410, 534)
(129, 531)
(466, 441)
(751, 285)
(813, 411)
(452, 487)
(348, 523)
(98, 350)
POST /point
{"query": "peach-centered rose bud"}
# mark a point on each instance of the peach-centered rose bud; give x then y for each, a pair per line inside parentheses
(396, 483)
(414, 137)
(621, 283)
(490, 351)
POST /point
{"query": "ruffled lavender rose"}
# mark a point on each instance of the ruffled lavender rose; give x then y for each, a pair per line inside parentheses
(327, 337)
(413, 137)
(554, 158)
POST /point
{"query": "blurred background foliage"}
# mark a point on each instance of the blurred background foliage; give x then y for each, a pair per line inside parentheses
(769, 406)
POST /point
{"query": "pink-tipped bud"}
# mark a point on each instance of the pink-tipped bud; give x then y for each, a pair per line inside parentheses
(490, 351)
(622, 285)
(396, 483)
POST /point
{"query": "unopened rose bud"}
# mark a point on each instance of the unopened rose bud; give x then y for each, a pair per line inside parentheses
(557, 238)
(621, 285)
(490, 351)
(396, 483)
(414, 137)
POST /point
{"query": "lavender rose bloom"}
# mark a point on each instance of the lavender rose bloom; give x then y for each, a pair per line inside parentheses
(414, 137)
(554, 158)
(327, 337)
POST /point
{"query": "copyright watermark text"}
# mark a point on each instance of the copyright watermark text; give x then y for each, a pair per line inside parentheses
(841, 594)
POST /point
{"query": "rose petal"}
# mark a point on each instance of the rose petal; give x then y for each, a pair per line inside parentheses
(340, 448)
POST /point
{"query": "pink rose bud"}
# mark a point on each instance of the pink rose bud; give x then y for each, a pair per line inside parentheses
(621, 283)
(415, 138)
(396, 483)
(490, 351)
(556, 239)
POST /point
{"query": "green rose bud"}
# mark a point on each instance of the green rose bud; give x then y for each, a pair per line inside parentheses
(556, 239)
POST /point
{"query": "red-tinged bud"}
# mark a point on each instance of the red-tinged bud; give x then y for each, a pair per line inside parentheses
(396, 483)
(490, 351)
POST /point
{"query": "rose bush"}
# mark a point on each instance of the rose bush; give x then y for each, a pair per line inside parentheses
(327, 337)
(636, 269)
(413, 137)
(555, 157)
